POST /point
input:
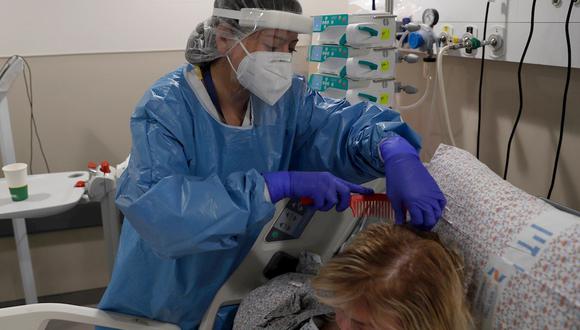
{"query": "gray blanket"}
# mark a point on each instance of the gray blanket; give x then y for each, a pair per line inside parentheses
(284, 303)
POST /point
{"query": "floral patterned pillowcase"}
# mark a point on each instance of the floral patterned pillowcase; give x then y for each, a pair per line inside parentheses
(521, 254)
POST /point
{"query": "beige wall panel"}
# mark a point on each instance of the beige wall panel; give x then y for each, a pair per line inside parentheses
(83, 104)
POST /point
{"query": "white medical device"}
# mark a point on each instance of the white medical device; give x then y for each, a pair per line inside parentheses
(356, 58)
(376, 91)
(359, 31)
(354, 63)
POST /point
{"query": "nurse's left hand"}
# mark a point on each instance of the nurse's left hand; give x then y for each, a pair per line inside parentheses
(410, 187)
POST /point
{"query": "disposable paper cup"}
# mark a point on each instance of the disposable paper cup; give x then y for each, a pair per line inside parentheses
(16, 175)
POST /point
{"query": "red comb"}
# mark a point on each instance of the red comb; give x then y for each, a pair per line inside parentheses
(375, 205)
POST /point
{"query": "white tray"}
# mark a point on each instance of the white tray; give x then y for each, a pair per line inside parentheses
(49, 194)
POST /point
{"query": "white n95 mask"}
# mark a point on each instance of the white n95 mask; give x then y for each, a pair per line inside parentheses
(268, 75)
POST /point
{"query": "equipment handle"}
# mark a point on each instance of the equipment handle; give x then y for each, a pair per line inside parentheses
(369, 30)
(368, 97)
(371, 65)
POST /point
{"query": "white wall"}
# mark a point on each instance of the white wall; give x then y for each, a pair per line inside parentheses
(57, 27)
(96, 26)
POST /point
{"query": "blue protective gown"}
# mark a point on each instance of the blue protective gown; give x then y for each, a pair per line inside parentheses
(193, 196)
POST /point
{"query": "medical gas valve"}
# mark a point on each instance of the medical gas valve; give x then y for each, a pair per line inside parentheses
(408, 89)
(430, 17)
(409, 58)
(494, 41)
(422, 36)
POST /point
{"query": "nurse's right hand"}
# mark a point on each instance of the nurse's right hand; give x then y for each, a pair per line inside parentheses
(323, 188)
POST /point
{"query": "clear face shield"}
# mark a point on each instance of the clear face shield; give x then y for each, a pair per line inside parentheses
(258, 44)
(256, 19)
(262, 61)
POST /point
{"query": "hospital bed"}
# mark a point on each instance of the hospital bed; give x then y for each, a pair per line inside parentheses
(289, 220)
(521, 254)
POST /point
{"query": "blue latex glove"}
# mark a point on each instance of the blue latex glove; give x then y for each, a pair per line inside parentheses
(323, 188)
(410, 187)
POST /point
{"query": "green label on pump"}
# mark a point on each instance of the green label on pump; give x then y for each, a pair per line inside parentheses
(321, 83)
(321, 23)
(321, 53)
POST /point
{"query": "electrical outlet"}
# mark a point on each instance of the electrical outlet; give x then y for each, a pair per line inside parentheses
(498, 51)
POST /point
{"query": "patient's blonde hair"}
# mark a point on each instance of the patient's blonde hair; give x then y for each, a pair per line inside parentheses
(396, 272)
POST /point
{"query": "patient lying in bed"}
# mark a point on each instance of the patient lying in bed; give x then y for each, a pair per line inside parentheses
(388, 278)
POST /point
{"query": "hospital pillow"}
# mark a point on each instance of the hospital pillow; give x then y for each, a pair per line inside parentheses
(521, 254)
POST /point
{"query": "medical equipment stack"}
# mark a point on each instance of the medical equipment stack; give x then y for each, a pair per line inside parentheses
(356, 57)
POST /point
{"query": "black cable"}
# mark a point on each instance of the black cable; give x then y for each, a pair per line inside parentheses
(521, 107)
(374, 5)
(33, 125)
(31, 104)
(565, 101)
(481, 80)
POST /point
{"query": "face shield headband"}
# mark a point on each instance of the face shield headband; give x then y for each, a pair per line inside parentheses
(267, 19)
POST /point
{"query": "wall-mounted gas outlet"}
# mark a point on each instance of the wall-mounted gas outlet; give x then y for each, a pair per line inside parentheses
(470, 31)
(446, 35)
(497, 35)
(447, 29)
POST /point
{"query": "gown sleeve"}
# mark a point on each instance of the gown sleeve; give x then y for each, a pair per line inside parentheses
(334, 135)
(176, 213)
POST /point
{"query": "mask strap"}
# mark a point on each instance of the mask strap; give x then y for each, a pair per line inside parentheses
(244, 48)
(229, 51)
(231, 64)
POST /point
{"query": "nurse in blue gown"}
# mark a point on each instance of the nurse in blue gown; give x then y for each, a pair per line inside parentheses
(220, 140)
